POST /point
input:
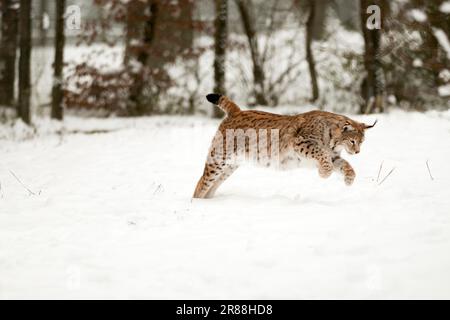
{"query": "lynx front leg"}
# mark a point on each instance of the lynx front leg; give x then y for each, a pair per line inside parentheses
(325, 166)
(311, 150)
(213, 176)
(345, 168)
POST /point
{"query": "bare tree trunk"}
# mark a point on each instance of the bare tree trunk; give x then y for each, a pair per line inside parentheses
(57, 91)
(373, 89)
(149, 30)
(245, 9)
(220, 43)
(138, 106)
(8, 48)
(43, 14)
(435, 19)
(25, 61)
(135, 14)
(309, 53)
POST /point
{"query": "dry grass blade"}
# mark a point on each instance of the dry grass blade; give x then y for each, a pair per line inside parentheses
(21, 183)
(158, 189)
(379, 171)
(384, 179)
(429, 171)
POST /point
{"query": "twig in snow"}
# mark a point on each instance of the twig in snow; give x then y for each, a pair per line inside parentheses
(1, 191)
(387, 176)
(159, 188)
(379, 171)
(429, 171)
(18, 180)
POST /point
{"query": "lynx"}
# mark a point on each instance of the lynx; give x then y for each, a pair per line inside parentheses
(317, 137)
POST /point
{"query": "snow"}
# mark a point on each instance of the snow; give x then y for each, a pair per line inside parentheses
(444, 91)
(106, 59)
(445, 75)
(445, 7)
(418, 15)
(417, 63)
(443, 40)
(109, 214)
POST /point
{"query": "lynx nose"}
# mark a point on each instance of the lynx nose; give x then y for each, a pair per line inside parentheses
(357, 151)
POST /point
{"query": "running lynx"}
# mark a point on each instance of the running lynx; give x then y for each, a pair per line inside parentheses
(279, 140)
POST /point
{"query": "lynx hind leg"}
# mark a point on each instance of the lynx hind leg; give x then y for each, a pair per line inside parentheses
(227, 171)
(311, 150)
(346, 169)
(213, 176)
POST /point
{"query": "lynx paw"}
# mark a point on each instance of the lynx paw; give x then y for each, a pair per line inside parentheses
(349, 177)
(325, 171)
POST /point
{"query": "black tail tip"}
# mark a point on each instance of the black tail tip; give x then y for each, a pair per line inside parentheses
(213, 98)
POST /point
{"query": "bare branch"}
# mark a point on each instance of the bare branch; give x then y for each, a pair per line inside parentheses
(282, 76)
(283, 89)
(270, 31)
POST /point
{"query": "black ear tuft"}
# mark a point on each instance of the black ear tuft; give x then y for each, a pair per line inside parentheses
(366, 126)
(213, 98)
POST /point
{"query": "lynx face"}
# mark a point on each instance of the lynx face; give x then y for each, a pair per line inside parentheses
(351, 139)
(352, 136)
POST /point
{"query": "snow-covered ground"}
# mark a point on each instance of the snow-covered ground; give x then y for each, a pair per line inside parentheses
(109, 214)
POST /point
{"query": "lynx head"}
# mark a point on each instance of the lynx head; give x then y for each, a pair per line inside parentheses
(352, 136)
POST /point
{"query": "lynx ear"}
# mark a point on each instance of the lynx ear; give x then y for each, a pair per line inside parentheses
(366, 126)
(347, 127)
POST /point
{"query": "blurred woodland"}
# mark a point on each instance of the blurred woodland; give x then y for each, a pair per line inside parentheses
(148, 57)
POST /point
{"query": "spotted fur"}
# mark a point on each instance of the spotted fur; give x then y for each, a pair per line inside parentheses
(315, 136)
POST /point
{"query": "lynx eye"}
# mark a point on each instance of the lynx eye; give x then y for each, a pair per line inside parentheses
(353, 142)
